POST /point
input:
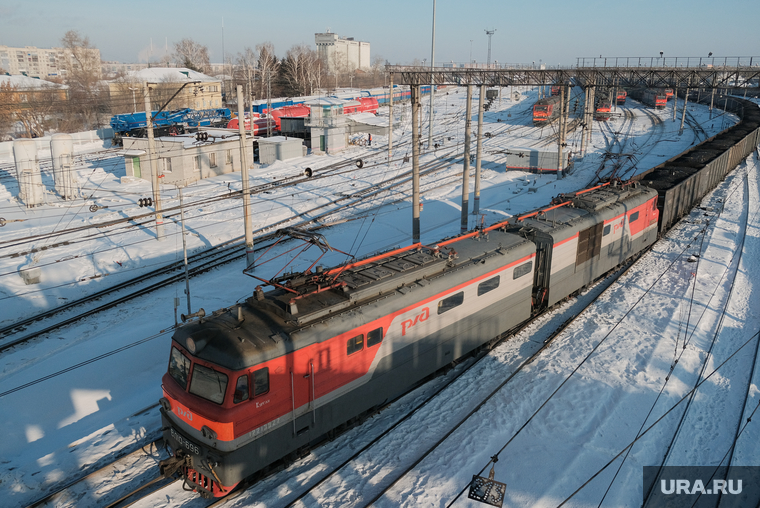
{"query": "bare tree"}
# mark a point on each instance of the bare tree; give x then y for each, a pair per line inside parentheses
(32, 107)
(82, 75)
(268, 66)
(378, 69)
(245, 68)
(191, 54)
(300, 70)
(7, 103)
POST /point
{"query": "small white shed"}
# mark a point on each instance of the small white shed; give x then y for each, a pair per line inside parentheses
(279, 148)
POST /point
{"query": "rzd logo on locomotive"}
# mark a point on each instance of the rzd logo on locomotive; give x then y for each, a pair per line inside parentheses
(405, 325)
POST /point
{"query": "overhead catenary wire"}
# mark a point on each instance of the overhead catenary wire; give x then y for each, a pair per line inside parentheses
(577, 367)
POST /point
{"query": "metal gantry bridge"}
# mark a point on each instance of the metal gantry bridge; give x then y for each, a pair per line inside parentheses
(635, 77)
(731, 73)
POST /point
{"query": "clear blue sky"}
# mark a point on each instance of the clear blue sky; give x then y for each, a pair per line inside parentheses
(400, 31)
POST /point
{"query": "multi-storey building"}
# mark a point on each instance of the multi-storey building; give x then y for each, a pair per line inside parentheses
(342, 54)
(43, 63)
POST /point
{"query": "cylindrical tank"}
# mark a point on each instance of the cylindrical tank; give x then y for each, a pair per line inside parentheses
(62, 151)
(28, 172)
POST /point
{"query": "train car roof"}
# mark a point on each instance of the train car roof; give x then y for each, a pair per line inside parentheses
(586, 208)
(275, 323)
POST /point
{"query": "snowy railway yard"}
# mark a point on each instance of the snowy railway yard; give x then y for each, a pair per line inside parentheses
(659, 368)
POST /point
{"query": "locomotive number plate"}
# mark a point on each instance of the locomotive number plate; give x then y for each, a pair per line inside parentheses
(192, 447)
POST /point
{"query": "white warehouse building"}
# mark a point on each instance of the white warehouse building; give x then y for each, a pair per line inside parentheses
(342, 54)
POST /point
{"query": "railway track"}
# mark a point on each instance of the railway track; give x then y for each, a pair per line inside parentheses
(371, 190)
(135, 462)
(731, 271)
(209, 259)
(568, 312)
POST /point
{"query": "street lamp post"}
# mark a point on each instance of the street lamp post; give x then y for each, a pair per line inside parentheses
(134, 103)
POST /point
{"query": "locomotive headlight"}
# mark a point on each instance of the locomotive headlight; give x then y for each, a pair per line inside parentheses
(195, 345)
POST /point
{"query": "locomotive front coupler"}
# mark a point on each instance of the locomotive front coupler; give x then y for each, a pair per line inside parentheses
(167, 468)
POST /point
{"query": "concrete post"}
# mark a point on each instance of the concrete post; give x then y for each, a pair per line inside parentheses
(561, 129)
(584, 119)
(390, 120)
(249, 258)
(479, 151)
(432, 80)
(675, 103)
(466, 170)
(712, 99)
(683, 114)
(184, 249)
(153, 167)
(415, 96)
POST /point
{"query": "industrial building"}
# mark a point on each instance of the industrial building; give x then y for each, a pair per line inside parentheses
(342, 54)
(182, 159)
(206, 95)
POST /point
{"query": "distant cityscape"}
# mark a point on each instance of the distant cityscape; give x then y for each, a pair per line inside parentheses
(51, 63)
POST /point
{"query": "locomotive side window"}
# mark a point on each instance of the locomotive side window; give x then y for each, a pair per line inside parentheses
(634, 216)
(449, 303)
(260, 382)
(374, 337)
(355, 344)
(488, 285)
(208, 383)
(179, 367)
(607, 229)
(241, 389)
(523, 269)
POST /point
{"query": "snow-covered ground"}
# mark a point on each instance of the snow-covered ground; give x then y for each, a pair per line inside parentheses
(76, 397)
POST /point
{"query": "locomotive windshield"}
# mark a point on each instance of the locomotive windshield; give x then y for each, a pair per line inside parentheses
(541, 108)
(179, 367)
(208, 383)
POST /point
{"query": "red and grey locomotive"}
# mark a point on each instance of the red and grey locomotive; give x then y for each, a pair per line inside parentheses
(546, 110)
(258, 381)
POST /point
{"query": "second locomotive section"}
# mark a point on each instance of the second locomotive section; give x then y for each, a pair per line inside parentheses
(255, 382)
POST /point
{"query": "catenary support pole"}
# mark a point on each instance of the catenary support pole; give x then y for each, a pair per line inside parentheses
(584, 118)
(415, 96)
(390, 119)
(683, 114)
(466, 169)
(712, 99)
(249, 259)
(432, 80)
(153, 166)
(478, 152)
(184, 249)
(675, 103)
(561, 129)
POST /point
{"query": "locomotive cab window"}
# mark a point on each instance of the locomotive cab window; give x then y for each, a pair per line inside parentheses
(355, 344)
(260, 382)
(374, 337)
(523, 269)
(179, 367)
(449, 303)
(634, 216)
(208, 383)
(607, 229)
(241, 389)
(488, 285)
